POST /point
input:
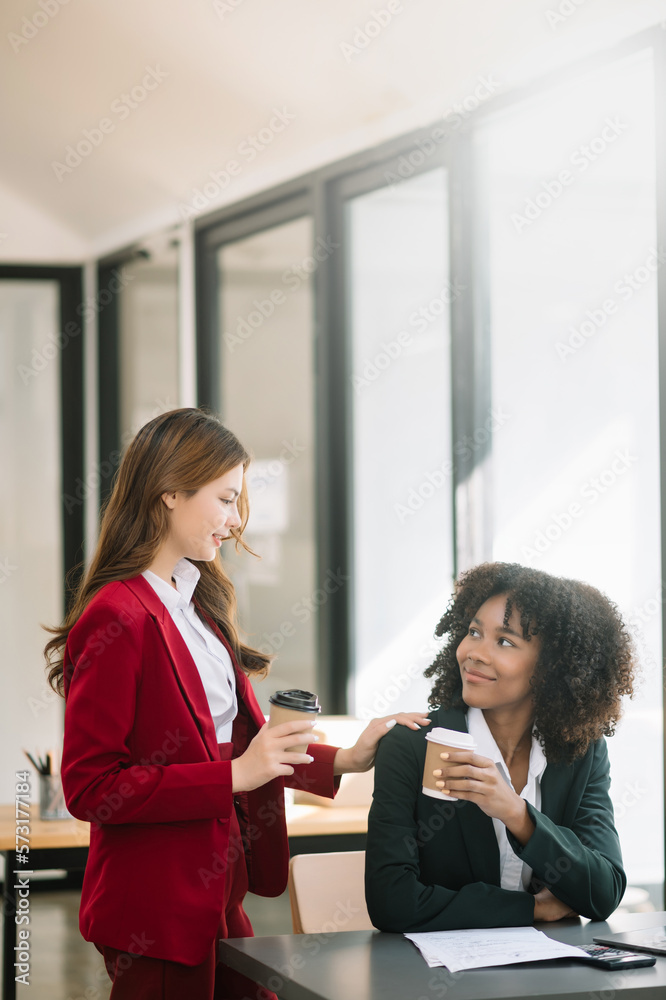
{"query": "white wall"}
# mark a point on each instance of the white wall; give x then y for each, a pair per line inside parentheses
(29, 235)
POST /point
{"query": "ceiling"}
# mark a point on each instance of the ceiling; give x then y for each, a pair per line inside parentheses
(183, 89)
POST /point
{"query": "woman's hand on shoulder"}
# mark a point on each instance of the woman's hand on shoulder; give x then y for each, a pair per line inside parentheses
(361, 756)
(268, 757)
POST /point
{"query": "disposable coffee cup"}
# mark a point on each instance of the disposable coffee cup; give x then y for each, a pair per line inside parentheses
(293, 706)
(440, 741)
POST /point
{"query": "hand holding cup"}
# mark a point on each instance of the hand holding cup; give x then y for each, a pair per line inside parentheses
(272, 753)
(439, 741)
(293, 706)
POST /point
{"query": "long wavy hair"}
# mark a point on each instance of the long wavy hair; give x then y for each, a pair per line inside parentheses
(181, 450)
(586, 661)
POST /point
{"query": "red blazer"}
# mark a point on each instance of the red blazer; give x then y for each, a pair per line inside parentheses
(141, 763)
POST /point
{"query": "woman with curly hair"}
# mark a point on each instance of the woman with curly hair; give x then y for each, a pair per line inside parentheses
(534, 669)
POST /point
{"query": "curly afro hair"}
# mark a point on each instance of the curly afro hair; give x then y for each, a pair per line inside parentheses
(585, 666)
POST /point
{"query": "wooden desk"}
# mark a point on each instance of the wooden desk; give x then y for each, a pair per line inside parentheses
(302, 821)
(63, 843)
(370, 965)
(44, 834)
(319, 829)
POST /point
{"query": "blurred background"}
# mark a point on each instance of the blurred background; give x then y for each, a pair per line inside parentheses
(411, 252)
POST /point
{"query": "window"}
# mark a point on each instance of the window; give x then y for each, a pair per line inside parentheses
(42, 493)
(399, 298)
(139, 345)
(148, 337)
(485, 385)
(266, 389)
(569, 184)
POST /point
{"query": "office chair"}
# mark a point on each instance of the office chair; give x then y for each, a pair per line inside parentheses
(327, 893)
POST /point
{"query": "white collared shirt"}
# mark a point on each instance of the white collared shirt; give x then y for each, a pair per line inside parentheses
(209, 654)
(514, 874)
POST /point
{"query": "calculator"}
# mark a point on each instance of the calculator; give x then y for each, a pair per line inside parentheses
(615, 958)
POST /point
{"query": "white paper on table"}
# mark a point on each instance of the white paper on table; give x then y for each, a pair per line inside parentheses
(480, 947)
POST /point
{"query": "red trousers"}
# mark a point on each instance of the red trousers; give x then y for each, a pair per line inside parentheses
(138, 977)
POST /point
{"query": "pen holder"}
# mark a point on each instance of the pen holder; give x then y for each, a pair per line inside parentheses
(52, 798)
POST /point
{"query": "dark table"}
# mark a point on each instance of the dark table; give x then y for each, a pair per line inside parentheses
(369, 965)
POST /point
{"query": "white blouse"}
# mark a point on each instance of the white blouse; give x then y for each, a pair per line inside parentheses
(514, 874)
(209, 654)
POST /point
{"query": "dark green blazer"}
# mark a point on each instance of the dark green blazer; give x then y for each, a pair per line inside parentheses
(434, 865)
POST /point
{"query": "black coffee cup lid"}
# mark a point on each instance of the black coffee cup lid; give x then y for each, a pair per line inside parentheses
(301, 701)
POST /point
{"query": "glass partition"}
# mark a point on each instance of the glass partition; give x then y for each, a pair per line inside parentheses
(148, 338)
(554, 452)
(569, 183)
(400, 293)
(267, 389)
(31, 505)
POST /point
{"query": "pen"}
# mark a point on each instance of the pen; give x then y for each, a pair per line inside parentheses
(33, 762)
(42, 766)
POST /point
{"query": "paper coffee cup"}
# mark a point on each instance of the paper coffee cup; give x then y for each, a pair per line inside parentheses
(293, 706)
(441, 741)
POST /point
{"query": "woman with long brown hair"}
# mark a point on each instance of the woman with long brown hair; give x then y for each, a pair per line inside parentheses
(166, 752)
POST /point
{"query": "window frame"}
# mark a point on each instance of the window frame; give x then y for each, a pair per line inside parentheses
(71, 416)
(108, 362)
(321, 193)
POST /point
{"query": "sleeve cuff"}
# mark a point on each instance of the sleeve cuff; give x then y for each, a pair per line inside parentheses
(317, 777)
(523, 851)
